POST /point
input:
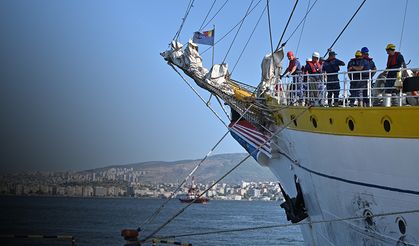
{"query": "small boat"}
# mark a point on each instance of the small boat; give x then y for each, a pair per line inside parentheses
(193, 195)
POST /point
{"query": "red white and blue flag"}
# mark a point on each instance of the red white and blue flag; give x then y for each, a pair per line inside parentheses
(206, 37)
(251, 139)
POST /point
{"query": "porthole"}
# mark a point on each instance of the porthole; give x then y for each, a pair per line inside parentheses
(351, 124)
(330, 121)
(402, 225)
(387, 126)
(386, 122)
(314, 121)
(294, 120)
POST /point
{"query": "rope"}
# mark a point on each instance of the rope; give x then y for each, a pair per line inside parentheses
(404, 20)
(222, 177)
(153, 216)
(302, 29)
(222, 106)
(238, 30)
(200, 97)
(286, 26)
(290, 225)
(347, 24)
(156, 240)
(215, 14)
(209, 11)
(248, 40)
(188, 9)
(232, 29)
(157, 211)
(302, 20)
(270, 33)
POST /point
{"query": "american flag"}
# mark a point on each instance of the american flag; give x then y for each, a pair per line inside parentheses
(250, 138)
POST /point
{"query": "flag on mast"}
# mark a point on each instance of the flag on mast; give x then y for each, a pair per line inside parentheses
(206, 37)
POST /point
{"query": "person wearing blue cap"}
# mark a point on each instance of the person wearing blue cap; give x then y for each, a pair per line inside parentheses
(331, 67)
(371, 65)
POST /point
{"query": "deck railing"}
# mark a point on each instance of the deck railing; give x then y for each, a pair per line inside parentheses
(355, 88)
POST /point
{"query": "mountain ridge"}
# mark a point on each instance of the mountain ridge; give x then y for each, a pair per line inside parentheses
(211, 169)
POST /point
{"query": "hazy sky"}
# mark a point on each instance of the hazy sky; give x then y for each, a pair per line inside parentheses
(83, 84)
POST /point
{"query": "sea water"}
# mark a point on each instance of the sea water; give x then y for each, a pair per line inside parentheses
(98, 221)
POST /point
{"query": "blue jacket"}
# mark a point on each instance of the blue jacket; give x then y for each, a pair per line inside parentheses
(355, 62)
(332, 65)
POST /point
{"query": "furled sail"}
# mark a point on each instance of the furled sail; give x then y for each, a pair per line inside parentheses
(271, 69)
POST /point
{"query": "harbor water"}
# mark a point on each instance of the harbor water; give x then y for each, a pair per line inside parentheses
(98, 221)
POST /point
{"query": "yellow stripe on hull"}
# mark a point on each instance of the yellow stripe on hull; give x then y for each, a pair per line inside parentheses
(389, 122)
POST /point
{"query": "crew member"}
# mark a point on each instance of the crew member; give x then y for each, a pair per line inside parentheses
(365, 54)
(315, 85)
(394, 60)
(294, 68)
(331, 67)
(358, 84)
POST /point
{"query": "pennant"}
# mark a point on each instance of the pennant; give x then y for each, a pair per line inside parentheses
(206, 37)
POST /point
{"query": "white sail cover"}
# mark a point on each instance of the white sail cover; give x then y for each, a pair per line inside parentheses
(217, 77)
(176, 54)
(193, 60)
(271, 70)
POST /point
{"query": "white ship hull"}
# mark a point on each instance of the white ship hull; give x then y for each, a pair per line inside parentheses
(343, 169)
(349, 176)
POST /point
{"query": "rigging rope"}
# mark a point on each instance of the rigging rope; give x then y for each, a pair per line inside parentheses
(302, 29)
(286, 26)
(154, 215)
(248, 40)
(302, 20)
(291, 225)
(270, 33)
(222, 177)
(157, 211)
(188, 9)
(238, 30)
(404, 20)
(222, 106)
(347, 24)
(215, 14)
(200, 97)
(209, 11)
(232, 29)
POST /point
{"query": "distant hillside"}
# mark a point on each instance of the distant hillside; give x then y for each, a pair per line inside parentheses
(212, 169)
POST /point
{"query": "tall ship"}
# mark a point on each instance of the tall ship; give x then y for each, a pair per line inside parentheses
(347, 164)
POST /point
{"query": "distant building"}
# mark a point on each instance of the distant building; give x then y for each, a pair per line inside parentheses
(255, 193)
(88, 191)
(100, 191)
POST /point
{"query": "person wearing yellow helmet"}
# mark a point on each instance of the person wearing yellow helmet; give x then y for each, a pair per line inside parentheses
(358, 79)
(394, 60)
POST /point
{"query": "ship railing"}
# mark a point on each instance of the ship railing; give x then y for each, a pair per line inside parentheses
(368, 88)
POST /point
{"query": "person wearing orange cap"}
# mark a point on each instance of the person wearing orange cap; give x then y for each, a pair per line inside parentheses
(358, 79)
(394, 60)
(294, 68)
